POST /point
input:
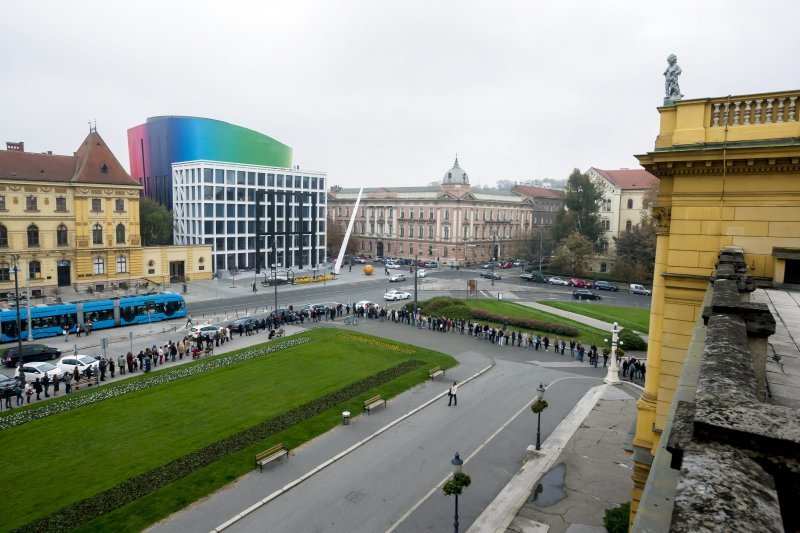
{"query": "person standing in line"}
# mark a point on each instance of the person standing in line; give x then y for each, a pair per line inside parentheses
(68, 383)
(111, 367)
(37, 387)
(103, 365)
(18, 390)
(453, 395)
(56, 381)
(46, 385)
(121, 365)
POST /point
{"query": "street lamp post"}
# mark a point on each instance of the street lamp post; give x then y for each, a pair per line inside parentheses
(15, 265)
(612, 378)
(494, 254)
(416, 278)
(457, 465)
(539, 401)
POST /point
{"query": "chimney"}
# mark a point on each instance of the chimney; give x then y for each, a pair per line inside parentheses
(15, 147)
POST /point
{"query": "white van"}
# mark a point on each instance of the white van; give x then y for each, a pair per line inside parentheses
(640, 289)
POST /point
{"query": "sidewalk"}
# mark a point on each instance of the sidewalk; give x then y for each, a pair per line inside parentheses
(580, 471)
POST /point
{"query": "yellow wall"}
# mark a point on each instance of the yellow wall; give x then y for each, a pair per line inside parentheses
(720, 186)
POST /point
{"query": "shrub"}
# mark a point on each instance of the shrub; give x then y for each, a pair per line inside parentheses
(538, 325)
(456, 312)
(616, 520)
(632, 341)
(436, 306)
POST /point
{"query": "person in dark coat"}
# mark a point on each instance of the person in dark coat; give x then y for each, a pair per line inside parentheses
(37, 387)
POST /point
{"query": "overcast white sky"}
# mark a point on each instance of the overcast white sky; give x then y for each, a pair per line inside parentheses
(385, 93)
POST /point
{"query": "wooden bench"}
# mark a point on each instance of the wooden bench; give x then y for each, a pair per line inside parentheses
(276, 452)
(86, 382)
(372, 403)
(435, 371)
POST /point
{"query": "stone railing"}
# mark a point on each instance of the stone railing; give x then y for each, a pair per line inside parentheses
(746, 111)
(728, 460)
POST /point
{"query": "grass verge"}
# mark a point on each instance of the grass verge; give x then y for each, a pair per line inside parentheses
(635, 318)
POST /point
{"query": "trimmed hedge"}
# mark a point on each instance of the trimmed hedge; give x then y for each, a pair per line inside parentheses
(538, 325)
(82, 512)
(617, 519)
(632, 341)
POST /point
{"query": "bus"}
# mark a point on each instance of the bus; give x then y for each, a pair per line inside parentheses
(49, 320)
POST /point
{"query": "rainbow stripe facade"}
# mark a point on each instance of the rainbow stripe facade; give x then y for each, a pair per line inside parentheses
(155, 145)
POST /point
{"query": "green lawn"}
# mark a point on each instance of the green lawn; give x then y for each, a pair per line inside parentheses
(73, 455)
(635, 318)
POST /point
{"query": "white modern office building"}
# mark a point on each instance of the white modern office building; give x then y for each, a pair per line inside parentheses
(215, 203)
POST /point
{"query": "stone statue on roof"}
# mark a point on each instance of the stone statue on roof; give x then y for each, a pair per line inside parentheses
(671, 87)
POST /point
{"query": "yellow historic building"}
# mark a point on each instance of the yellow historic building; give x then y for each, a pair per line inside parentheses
(73, 221)
(729, 171)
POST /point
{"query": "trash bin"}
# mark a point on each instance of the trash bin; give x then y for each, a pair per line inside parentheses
(346, 418)
(499, 295)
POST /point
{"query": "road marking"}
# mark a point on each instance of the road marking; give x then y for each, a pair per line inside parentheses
(335, 458)
(483, 445)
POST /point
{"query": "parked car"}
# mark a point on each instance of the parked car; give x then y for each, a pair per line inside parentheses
(431, 264)
(605, 286)
(506, 265)
(396, 295)
(38, 370)
(489, 274)
(421, 272)
(487, 266)
(7, 382)
(640, 289)
(585, 294)
(518, 263)
(398, 277)
(204, 329)
(557, 281)
(534, 276)
(395, 266)
(68, 363)
(579, 283)
(360, 260)
(242, 323)
(30, 352)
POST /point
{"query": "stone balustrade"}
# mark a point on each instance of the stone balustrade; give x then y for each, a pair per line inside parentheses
(744, 111)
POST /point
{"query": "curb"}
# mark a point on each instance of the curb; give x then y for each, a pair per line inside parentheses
(499, 514)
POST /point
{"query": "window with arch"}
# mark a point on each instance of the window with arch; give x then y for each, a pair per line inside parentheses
(630, 203)
(122, 264)
(3, 236)
(604, 246)
(421, 232)
(603, 267)
(34, 270)
(97, 234)
(606, 225)
(430, 232)
(99, 265)
(446, 230)
(33, 235)
(628, 225)
(62, 236)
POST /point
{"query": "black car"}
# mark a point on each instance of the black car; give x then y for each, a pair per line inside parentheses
(605, 286)
(30, 352)
(488, 274)
(242, 323)
(585, 294)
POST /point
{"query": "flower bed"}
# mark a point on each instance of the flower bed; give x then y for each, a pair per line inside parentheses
(130, 490)
(73, 401)
(529, 323)
(376, 342)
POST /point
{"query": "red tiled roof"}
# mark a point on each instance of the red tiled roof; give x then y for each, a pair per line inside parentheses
(629, 178)
(539, 192)
(92, 163)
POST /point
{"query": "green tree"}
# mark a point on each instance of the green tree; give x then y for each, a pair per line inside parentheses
(581, 211)
(573, 254)
(636, 249)
(156, 223)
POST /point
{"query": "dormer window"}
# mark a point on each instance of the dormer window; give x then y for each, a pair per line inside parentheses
(104, 169)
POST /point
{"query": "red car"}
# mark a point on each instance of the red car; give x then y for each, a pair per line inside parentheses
(506, 265)
(579, 283)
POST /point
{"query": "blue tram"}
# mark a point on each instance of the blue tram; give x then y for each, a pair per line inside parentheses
(49, 320)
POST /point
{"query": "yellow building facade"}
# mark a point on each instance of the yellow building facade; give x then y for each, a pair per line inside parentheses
(73, 221)
(729, 171)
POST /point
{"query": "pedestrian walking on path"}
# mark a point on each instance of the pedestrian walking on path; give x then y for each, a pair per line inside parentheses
(189, 321)
(453, 395)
